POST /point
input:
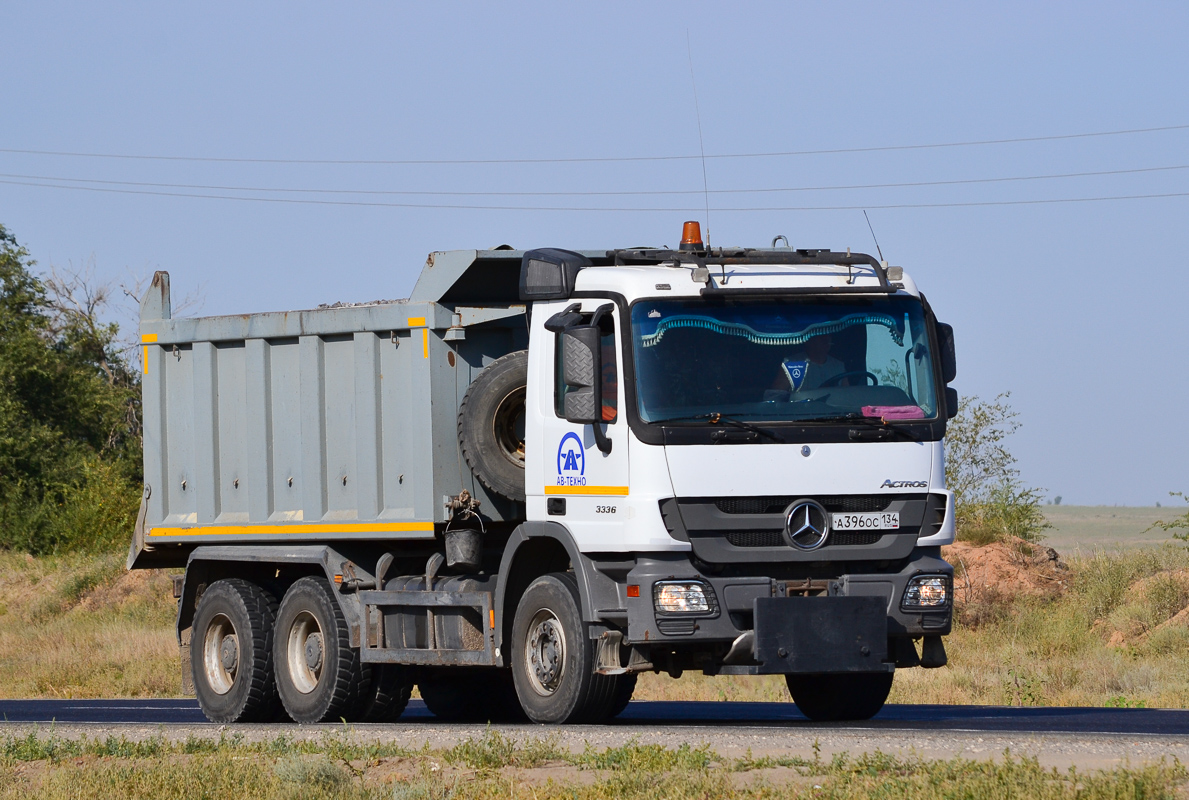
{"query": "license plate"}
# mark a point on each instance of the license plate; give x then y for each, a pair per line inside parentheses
(872, 521)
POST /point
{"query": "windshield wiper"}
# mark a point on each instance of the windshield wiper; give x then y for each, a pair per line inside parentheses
(879, 428)
(715, 418)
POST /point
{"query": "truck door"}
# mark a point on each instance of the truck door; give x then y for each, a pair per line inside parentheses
(586, 489)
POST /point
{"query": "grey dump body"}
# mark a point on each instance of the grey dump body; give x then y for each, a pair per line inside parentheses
(331, 424)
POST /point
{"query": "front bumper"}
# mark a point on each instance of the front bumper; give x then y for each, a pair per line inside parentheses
(734, 612)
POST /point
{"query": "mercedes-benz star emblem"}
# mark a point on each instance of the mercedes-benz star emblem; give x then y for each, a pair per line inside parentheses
(807, 524)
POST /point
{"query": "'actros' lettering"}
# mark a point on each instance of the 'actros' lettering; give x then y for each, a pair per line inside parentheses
(890, 484)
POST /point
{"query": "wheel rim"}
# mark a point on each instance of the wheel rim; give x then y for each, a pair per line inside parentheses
(508, 426)
(306, 653)
(545, 652)
(220, 654)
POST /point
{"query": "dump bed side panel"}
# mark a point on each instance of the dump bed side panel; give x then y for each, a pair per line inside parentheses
(330, 424)
(281, 436)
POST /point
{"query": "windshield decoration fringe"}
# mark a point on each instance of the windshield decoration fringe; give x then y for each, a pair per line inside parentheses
(758, 337)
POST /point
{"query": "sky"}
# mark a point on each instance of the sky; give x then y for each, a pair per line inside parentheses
(1075, 308)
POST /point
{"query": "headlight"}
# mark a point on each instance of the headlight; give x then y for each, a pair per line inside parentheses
(680, 597)
(927, 591)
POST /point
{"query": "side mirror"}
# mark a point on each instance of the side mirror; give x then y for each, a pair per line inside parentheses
(580, 371)
(951, 402)
(945, 344)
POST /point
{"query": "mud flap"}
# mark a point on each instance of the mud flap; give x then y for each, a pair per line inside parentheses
(187, 666)
(138, 532)
(821, 634)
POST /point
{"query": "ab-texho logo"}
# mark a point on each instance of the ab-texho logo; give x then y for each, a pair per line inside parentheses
(571, 461)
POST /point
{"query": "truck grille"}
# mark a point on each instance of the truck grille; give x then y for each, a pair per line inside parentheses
(854, 537)
(776, 539)
(842, 504)
(750, 530)
(755, 538)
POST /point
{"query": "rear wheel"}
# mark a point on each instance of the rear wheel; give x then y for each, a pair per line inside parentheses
(231, 652)
(386, 693)
(842, 696)
(553, 658)
(319, 676)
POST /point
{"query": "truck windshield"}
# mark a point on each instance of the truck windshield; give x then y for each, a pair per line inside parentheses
(783, 359)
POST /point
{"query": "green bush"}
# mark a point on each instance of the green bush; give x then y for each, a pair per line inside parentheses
(69, 415)
(1179, 526)
(1103, 580)
(992, 503)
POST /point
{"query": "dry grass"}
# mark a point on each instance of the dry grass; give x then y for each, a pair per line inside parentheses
(496, 767)
(1108, 630)
(1113, 631)
(80, 626)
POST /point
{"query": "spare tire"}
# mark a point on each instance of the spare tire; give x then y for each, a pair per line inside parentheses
(491, 425)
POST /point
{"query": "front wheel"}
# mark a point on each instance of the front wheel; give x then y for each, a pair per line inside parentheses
(625, 685)
(553, 657)
(841, 696)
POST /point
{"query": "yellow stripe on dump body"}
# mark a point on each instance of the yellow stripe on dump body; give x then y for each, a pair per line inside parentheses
(319, 527)
(147, 338)
(601, 490)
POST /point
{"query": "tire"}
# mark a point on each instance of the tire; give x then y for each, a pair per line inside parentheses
(553, 657)
(839, 697)
(471, 695)
(625, 686)
(319, 675)
(231, 653)
(386, 693)
(491, 425)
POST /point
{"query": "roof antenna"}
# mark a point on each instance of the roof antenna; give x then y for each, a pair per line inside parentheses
(698, 113)
(873, 234)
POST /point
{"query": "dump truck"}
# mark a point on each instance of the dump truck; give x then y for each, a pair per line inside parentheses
(548, 471)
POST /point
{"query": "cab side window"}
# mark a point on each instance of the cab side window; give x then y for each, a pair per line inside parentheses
(610, 382)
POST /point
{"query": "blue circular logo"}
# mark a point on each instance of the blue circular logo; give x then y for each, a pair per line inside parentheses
(571, 458)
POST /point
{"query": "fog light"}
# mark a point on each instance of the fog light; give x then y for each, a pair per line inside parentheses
(680, 597)
(927, 591)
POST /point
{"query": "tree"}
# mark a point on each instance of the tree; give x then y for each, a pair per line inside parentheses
(992, 502)
(69, 414)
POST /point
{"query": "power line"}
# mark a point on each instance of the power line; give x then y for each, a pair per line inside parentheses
(585, 160)
(367, 204)
(648, 192)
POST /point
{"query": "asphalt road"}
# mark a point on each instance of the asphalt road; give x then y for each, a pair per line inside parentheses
(641, 714)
